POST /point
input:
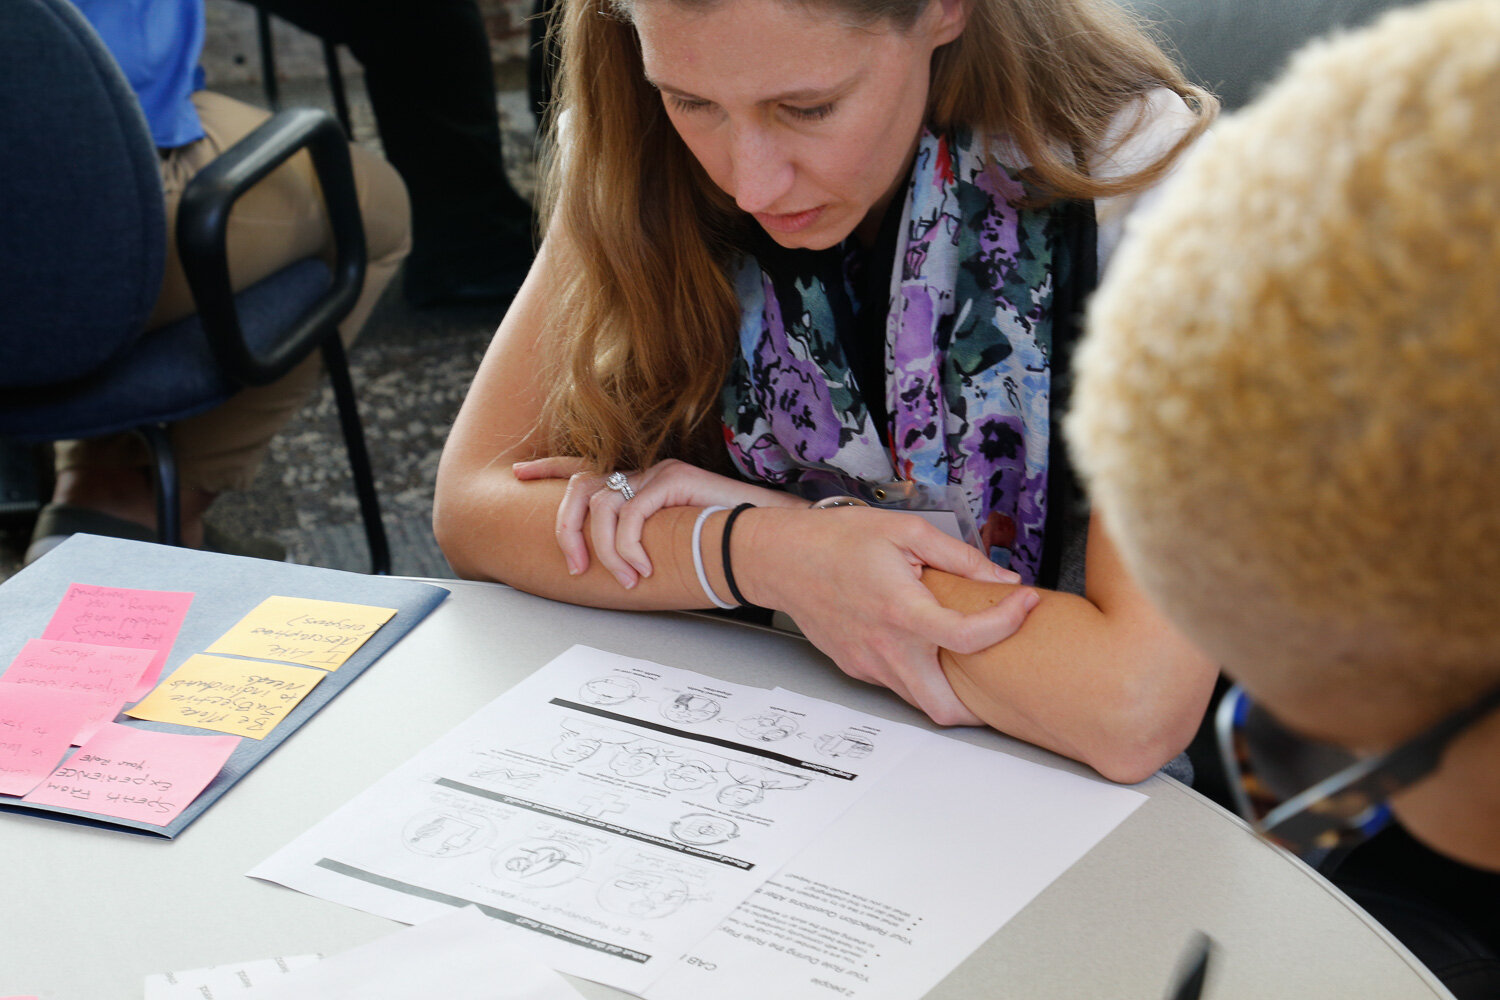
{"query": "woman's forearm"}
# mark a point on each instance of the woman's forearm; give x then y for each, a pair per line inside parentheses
(1103, 680)
(493, 527)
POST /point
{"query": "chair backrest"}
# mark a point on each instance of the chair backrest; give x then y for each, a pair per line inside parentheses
(1235, 47)
(82, 220)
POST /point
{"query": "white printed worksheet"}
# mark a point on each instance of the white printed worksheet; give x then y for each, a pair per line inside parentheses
(612, 811)
(905, 884)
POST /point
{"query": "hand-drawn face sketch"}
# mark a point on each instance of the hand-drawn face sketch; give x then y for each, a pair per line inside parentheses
(703, 829)
(690, 708)
(579, 742)
(752, 781)
(643, 894)
(768, 727)
(572, 748)
(609, 690)
(844, 745)
(741, 795)
(446, 834)
(634, 761)
(540, 862)
(689, 775)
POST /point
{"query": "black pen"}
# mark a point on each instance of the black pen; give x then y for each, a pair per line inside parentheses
(1194, 971)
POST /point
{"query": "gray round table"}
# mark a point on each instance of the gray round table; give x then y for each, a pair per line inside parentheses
(92, 912)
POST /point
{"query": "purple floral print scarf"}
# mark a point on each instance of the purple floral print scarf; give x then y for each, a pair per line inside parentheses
(968, 334)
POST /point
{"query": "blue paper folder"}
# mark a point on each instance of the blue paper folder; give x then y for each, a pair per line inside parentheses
(225, 589)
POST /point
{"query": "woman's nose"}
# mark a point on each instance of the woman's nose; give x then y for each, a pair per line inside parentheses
(761, 172)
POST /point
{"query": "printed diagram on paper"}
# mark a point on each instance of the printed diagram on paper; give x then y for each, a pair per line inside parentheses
(617, 809)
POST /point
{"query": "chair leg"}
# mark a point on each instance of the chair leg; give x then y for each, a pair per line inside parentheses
(168, 489)
(267, 58)
(337, 366)
(336, 87)
(24, 484)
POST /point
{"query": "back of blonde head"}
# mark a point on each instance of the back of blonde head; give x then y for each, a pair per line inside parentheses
(1287, 402)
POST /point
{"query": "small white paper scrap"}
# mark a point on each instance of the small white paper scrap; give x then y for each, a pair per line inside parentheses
(220, 981)
(463, 955)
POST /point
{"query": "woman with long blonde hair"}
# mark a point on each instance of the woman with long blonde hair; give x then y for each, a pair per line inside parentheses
(837, 249)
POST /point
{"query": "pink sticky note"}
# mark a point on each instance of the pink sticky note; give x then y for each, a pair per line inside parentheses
(36, 729)
(107, 674)
(136, 774)
(113, 616)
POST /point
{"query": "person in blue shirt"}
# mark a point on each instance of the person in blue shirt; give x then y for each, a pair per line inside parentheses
(104, 485)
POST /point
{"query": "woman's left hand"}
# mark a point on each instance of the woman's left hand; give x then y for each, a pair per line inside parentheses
(614, 525)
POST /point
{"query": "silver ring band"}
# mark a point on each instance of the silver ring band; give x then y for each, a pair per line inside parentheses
(617, 482)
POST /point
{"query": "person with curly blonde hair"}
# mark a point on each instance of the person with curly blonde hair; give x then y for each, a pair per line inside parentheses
(1286, 416)
(836, 246)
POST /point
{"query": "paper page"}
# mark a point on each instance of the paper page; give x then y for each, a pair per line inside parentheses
(36, 730)
(109, 675)
(462, 955)
(614, 808)
(222, 981)
(116, 616)
(313, 633)
(136, 773)
(231, 696)
(907, 883)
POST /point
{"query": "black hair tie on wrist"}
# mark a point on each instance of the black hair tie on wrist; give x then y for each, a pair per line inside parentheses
(734, 589)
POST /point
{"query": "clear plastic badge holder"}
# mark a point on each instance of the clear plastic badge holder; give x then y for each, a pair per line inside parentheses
(944, 507)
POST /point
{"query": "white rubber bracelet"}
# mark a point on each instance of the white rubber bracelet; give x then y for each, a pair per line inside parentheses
(698, 558)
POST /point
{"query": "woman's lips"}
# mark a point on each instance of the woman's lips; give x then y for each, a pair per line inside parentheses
(791, 222)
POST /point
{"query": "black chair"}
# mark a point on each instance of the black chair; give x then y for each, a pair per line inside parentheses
(82, 243)
(272, 84)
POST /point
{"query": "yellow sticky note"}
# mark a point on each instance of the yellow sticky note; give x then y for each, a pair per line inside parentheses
(302, 630)
(227, 696)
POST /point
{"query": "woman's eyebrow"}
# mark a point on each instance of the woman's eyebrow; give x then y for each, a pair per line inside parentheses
(799, 96)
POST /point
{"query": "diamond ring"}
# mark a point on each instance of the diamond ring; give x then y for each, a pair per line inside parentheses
(617, 482)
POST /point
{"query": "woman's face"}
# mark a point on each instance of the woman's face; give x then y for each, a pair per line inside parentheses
(809, 123)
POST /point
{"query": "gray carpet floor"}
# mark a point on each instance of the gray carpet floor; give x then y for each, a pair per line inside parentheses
(410, 368)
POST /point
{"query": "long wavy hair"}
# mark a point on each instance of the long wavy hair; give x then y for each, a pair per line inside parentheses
(642, 317)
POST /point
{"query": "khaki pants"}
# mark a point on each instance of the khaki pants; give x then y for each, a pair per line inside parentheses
(279, 221)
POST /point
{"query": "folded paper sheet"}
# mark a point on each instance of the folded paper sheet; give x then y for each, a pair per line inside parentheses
(462, 955)
(221, 982)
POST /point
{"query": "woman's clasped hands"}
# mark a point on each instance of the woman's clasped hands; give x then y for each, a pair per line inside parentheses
(851, 577)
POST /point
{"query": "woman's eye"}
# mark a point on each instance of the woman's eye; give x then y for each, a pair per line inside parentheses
(687, 103)
(810, 114)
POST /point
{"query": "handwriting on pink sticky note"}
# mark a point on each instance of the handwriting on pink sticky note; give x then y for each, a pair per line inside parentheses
(108, 675)
(136, 774)
(114, 616)
(36, 728)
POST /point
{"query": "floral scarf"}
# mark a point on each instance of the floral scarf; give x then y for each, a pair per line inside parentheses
(968, 340)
